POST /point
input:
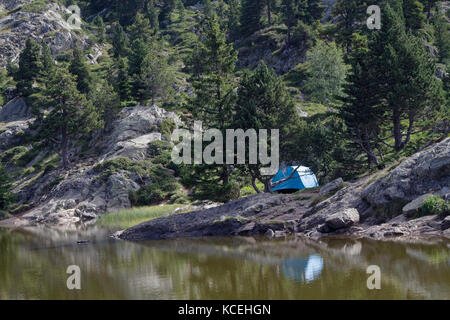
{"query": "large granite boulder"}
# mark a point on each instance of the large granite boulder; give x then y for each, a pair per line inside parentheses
(344, 219)
(428, 170)
(413, 207)
(134, 130)
(15, 110)
(332, 186)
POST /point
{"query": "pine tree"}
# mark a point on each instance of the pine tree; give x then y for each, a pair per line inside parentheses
(48, 64)
(214, 82)
(122, 83)
(405, 77)
(101, 31)
(30, 67)
(360, 110)
(313, 12)
(71, 113)
(80, 69)
(350, 15)
(251, 13)
(119, 42)
(414, 16)
(234, 14)
(263, 102)
(155, 79)
(429, 4)
(140, 50)
(5, 190)
(442, 36)
(270, 5)
(307, 11)
(106, 102)
(290, 15)
(140, 29)
(151, 13)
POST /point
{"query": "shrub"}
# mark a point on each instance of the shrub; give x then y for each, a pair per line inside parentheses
(434, 205)
(160, 151)
(167, 126)
(162, 187)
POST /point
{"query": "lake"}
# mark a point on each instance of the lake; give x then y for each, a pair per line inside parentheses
(34, 261)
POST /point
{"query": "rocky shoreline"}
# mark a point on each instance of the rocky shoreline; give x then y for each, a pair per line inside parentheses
(379, 207)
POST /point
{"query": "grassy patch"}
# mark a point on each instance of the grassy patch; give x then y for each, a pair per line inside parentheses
(127, 218)
(434, 205)
(36, 5)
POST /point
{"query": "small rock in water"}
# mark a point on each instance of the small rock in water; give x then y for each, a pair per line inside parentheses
(82, 241)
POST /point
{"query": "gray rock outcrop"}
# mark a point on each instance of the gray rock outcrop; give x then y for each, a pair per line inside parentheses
(414, 206)
(83, 193)
(47, 25)
(344, 219)
(423, 172)
(332, 186)
(346, 212)
(15, 110)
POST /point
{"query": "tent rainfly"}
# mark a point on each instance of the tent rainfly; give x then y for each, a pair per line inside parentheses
(302, 178)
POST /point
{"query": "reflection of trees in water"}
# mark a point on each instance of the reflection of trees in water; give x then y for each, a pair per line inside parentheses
(34, 262)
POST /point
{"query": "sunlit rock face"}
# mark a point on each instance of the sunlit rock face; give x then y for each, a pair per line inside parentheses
(18, 23)
(84, 192)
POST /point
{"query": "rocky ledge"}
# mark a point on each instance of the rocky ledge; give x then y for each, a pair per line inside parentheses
(379, 206)
(85, 191)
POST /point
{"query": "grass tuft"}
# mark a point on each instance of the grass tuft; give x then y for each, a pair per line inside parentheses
(127, 218)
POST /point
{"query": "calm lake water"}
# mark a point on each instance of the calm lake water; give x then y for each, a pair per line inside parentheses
(33, 264)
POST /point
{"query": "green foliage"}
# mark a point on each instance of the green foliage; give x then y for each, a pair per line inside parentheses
(79, 68)
(160, 152)
(163, 185)
(71, 114)
(120, 42)
(434, 205)
(413, 12)
(262, 103)
(155, 77)
(350, 15)
(326, 73)
(251, 13)
(167, 126)
(110, 167)
(30, 66)
(442, 35)
(5, 192)
(127, 218)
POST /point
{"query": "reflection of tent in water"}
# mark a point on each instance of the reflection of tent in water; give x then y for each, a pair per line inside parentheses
(292, 179)
(303, 269)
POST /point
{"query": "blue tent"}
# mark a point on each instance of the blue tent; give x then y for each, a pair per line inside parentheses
(303, 178)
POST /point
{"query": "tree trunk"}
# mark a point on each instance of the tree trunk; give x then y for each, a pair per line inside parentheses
(289, 36)
(254, 184)
(225, 175)
(64, 151)
(371, 157)
(269, 13)
(267, 186)
(397, 129)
